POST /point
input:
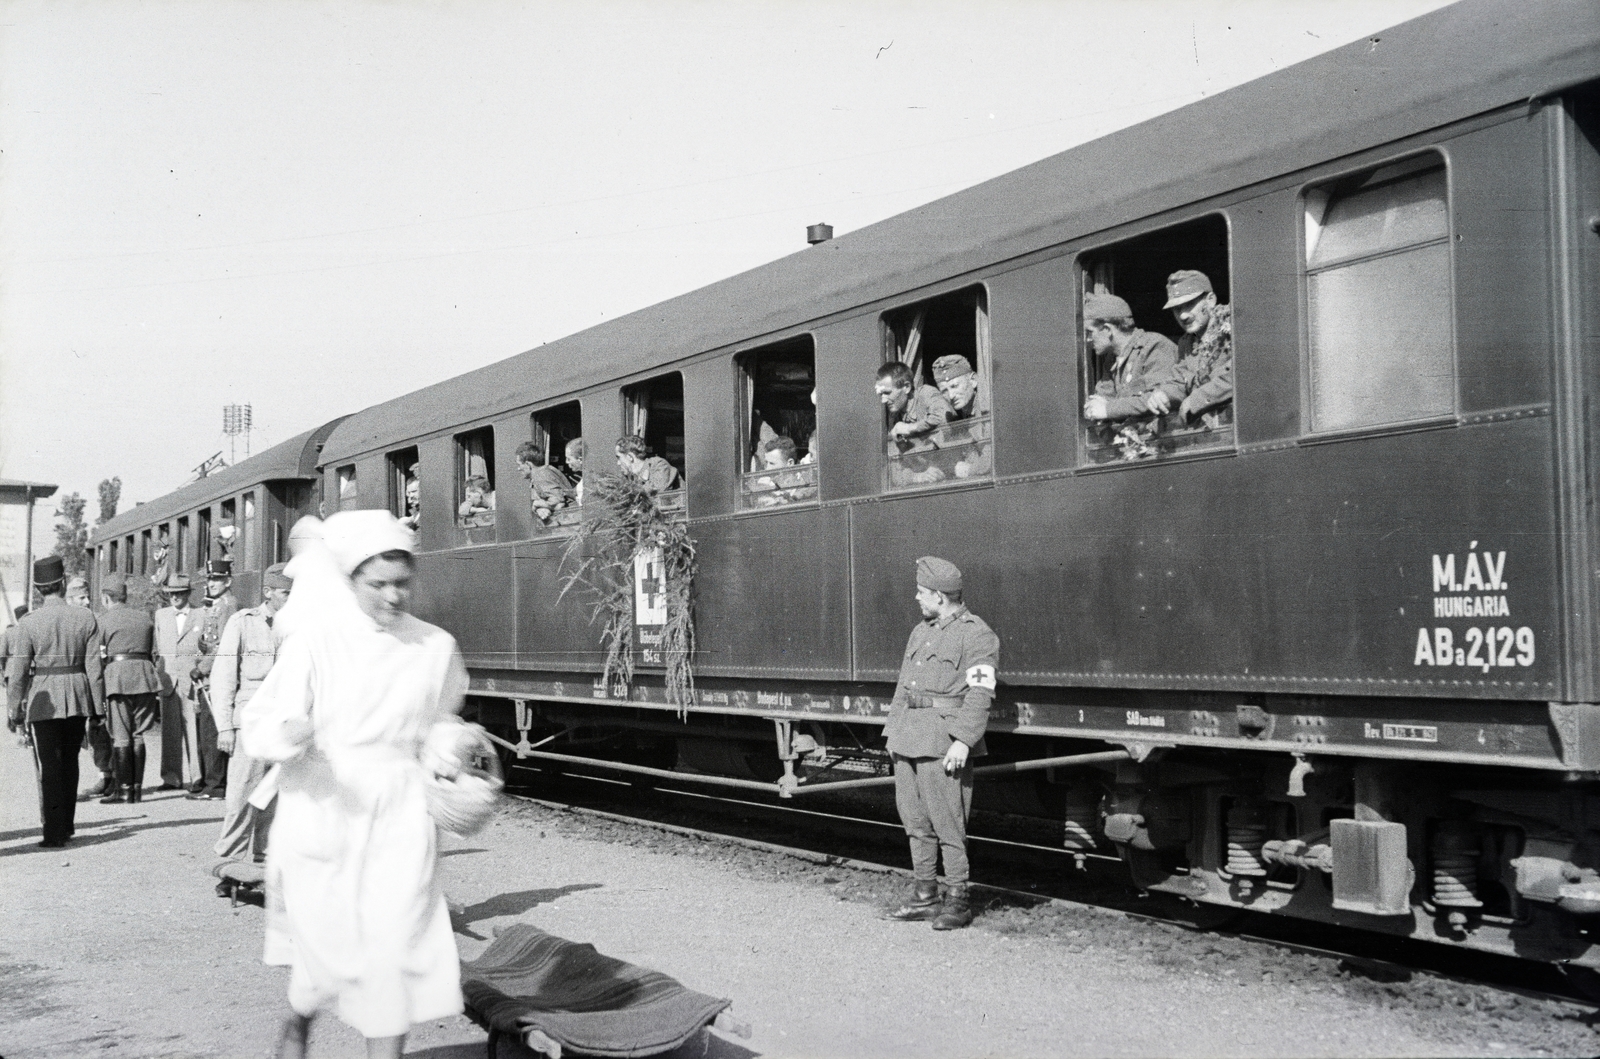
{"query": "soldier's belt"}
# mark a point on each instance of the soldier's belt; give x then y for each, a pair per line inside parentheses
(56, 671)
(932, 702)
(131, 656)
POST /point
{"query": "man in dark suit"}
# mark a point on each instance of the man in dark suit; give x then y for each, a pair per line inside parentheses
(935, 727)
(133, 688)
(54, 685)
(178, 647)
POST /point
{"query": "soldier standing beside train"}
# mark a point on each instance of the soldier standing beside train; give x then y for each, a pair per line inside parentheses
(54, 686)
(97, 739)
(133, 688)
(935, 728)
(220, 605)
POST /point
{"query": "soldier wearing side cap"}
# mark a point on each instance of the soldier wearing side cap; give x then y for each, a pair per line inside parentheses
(133, 688)
(1131, 360)
(1200, 385)
(54, 685)
(244, 657)
(934, 730)
(967, 435)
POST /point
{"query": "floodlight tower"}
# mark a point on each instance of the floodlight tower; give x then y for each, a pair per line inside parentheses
(236, 421)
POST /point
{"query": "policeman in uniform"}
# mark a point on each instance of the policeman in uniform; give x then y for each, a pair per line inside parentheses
(935, 729)
(127, 643)
(220, 605)
(54, 685)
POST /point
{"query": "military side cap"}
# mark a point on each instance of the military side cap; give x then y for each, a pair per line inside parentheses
(941, 575)
(219, 568)
(274, 577)
(1098, 306)
(49, 570)
(175, 585)
(1186, 285)
(951, 366)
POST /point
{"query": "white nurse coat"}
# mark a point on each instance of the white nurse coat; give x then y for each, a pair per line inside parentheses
(355, 907)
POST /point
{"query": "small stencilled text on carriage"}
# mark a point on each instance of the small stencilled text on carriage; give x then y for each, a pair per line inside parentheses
(1144, 720)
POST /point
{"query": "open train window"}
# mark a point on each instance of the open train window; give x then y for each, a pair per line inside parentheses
(651, 447)
(142, 568)
(162, 562)
(250, 533)
(112, 551)
(551, 462)
(182, 563)
(127, 554)
(202, 540)
(934, 385)
(1379, 317)
(228, 534)
(1157, 353)
(405, 485)
(475, 497)
(348, 490)
(777, 444)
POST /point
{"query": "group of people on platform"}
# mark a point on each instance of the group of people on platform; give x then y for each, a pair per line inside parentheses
(113, 678)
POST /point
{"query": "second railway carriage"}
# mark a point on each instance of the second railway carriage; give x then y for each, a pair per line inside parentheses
(1329, 650)
(261, 497)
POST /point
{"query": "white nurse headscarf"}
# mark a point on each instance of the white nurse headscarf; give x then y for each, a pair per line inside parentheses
(353, 537)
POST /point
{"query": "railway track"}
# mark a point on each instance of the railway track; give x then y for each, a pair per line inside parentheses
(1008, 873)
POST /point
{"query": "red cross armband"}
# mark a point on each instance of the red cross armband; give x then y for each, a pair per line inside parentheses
(981, 676)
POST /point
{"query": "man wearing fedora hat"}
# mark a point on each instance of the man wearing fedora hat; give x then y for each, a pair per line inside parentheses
(178, 647)
(934, 730)
(54, 686)
(1201, 383)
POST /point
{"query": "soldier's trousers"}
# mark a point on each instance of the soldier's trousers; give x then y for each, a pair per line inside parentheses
(934, 808)
(213, 774)
(55, 758)
(244, 827)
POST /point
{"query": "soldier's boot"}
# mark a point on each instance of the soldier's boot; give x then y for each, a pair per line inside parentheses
(105, 786)
(136, 788)
(121, 775)
(956, 911)
(923, 904)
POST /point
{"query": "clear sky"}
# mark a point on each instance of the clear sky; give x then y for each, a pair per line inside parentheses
(316, 205)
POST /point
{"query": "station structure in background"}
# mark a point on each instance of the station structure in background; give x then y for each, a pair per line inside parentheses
(16, 541)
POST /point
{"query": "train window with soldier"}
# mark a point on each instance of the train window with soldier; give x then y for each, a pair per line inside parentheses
(475, 495)
(1379, 315)
(651, 449)
(777, 443)
(226, 545)
(249, 533)
(1157, 354)
(934, 386)
(405, 485)
(551, 462)
(348, 491)
(161, 562)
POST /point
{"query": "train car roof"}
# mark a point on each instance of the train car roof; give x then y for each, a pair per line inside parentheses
(1442, 67)
(294, 458)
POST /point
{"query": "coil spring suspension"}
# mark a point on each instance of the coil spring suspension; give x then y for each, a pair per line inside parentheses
(1246, 835)
(1455, 873)
(1080, 820)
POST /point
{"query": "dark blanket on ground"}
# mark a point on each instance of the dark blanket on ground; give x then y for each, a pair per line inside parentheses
(588, 1003)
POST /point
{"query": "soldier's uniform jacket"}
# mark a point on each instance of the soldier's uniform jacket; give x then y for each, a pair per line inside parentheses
(549, 487)
(214, 615)
(658, 475)
(947, 683)
(244, 658)
(967, 436)
(1147, 359)
(926, 410)
(54, 671)
(1205, 368)
(127, 642)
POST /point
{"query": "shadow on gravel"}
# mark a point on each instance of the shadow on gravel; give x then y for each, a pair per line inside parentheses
(512, 904)
(34, 832)
(85, 841)
(460, 852)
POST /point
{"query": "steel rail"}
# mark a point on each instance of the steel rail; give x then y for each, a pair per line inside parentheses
(787, 791)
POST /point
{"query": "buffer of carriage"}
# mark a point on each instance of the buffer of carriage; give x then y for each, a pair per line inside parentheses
(1330, 651)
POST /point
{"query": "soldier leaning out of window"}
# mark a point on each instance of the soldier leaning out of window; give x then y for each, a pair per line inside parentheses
(1131, 361)
(959, 385)
(548, 489)
(653, 472)
(478, 508)
(1201, 383)
(413, 498)
(917, 410)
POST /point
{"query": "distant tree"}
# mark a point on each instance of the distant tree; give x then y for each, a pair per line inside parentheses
(110, 494)
(72, 536)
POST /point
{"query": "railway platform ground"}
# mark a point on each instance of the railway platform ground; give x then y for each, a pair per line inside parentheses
(118, 946)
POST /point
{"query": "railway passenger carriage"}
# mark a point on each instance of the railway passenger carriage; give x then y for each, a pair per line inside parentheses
(261, 497)
(1341, 637)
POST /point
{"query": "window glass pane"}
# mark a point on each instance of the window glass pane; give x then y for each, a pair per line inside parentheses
(347, 486)
(1387, 217)
(1381, 340)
